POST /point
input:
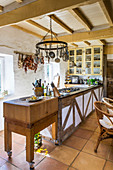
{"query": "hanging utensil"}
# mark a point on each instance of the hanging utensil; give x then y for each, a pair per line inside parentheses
(52, 54)
(57, 60)
(22, 60)
(61, 54)
(19, 61)
(47, 55)
(48, 59)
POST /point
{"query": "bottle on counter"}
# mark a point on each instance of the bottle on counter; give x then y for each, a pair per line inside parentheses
(39, 82)
(45, 88)
(49, 92)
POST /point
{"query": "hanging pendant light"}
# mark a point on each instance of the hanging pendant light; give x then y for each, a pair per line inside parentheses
(53, 49)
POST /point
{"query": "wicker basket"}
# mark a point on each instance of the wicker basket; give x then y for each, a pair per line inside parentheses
(38, 91)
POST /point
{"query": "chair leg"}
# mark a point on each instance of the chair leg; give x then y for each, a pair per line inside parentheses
(98, 141)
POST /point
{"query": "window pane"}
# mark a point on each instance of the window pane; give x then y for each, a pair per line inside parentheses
(0, 76)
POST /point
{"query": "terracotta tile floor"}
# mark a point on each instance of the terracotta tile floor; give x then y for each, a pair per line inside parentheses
(76, 152)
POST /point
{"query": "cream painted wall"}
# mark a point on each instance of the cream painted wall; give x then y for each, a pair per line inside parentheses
(110, 56)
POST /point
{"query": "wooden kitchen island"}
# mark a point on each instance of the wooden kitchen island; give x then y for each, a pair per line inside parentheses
(29, 118)
(62, 114)
(73, 108)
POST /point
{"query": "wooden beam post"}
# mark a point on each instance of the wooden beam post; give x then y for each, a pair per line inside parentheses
(27, 31)
(61, 23)
(77, 13)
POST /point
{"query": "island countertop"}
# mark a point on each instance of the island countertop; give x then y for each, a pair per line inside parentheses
(30, 112)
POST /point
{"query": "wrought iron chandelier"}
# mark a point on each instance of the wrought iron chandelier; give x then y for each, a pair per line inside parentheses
(52, 49)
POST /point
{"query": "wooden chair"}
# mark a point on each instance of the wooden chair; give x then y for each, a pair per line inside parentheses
(105, 121)
(108, 102)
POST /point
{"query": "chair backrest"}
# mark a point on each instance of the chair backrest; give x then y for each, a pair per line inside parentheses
(102, 113)
(101, 109)
(108, 102)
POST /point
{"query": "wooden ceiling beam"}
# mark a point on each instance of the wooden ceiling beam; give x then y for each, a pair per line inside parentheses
(85, 36)
(19, 1)
(108, 49)
(107, 9)
(102, 42)
(75, 45)
(87, 43)
(39, 26)
(17, 12)
(1, 8)
(78, 14)
(27, 31)
(61, 23)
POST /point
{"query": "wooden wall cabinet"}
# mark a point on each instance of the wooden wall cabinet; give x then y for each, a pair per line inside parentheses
(88, 61)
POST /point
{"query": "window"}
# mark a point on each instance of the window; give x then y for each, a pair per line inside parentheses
(51, 71)
(6, 74)
(0, 76)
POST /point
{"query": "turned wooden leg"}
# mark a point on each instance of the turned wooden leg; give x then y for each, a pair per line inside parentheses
(7, 139)
(30, 146)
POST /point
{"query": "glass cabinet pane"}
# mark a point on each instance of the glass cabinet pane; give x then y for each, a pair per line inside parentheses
(71, 52)
(97, 50)
(71, 71)
(88, 71)
(96, 57)
(78, 58)
(79, 62)
(79, 52)
(97, 60)
(96, 64)
(71, 61)
(88, 60)
(78, 70)
(88, 51)
(96, 71)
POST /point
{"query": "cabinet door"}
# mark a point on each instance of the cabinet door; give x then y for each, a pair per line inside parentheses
(79, 61)
(71, 62)
(97, 60)
(88, 61)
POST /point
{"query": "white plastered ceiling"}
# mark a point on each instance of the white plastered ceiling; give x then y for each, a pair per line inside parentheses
(93, 13)
(6, 2)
